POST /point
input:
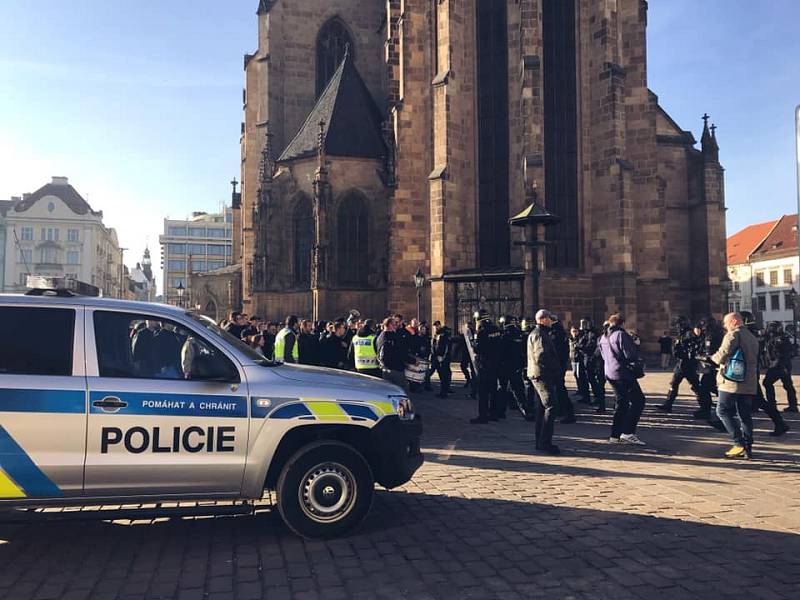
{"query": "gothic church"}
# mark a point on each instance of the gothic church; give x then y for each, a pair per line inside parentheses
(385, 136)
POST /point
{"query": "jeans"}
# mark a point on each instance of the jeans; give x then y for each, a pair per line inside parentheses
(545, 413)
(630, 403)
(735, 412)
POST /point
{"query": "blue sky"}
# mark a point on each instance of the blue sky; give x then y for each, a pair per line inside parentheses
(139, 103)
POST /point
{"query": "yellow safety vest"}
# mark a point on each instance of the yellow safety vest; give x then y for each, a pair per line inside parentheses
(280, 346)
(364, 352)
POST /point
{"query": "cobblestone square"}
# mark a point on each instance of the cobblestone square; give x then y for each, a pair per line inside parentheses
(485, 517)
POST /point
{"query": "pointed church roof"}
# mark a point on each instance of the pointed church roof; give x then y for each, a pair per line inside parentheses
(352, 120)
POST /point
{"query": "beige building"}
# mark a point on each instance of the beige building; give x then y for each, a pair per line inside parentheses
(54, 231)
(385, 136)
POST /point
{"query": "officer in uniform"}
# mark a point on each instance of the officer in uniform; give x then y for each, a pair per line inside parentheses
(593, 365)
(488, 347)
(769, 407)
(513, 361)
(685, 349)
(779, 352)
(362, 350)
(711, 337)
(287, 350)
(561, 343)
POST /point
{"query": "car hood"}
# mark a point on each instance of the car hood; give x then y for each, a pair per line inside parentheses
(322, 377)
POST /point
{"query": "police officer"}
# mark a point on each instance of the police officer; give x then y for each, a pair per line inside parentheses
(441, 357)
(363, 353)
(685, 349)
(711, 336)
(513, 361)
(544, 370)
(768, 406)
(487, 347)
(559, 335)
(779, 350)
(287, 350)
(578, 362)
(593, 365)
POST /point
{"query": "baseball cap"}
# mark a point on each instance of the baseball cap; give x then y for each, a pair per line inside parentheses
(546, 314)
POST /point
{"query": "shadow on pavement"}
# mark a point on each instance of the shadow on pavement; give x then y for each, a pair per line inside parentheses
(411, 546)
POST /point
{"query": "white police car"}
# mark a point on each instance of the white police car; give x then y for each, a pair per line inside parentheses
(106, 400)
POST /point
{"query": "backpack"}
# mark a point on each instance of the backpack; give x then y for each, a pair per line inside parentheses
(736, 369)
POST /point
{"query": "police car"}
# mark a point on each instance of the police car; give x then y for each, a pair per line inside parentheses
(106, 400)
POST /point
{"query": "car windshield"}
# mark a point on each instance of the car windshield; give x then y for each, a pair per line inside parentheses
(209, 325)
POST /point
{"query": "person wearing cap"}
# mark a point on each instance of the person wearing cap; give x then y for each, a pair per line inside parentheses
(487, 348)
(544, 370)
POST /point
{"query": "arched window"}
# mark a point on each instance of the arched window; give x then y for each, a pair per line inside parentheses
(332, 41)
(303, 230)
(353, 237)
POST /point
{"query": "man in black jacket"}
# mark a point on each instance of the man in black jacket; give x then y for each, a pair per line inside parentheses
(441, 357)
(309, 343)
(334, 347)
(779, 351)
(487, 347)
(561, 343)
(544, 371)
(392, 355)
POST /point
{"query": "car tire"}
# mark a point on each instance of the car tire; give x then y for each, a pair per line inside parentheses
(325, 490)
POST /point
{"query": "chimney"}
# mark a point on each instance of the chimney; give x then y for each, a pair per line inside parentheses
(60, 181)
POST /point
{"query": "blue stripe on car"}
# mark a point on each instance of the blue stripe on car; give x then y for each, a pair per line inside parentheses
(291, 411)
(42, 401)
(178, 405)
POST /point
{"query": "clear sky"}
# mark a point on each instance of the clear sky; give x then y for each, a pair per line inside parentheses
(139, 103)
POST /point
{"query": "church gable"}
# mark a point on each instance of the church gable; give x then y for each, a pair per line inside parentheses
(352, 121)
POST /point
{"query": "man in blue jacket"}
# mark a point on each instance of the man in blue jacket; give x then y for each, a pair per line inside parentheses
(619, 351)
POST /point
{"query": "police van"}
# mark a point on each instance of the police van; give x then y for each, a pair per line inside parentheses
(110, 401)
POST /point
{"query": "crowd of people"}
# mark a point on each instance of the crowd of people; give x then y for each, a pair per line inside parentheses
(523, 365)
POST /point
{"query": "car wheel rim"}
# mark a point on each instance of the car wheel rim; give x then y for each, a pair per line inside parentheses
(327, 492)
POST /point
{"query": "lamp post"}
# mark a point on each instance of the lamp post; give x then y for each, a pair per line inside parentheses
(419, 282)
(180, 289)
(534, 219)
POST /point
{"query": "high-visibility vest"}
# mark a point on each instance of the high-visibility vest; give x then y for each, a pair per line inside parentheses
(280, 346)
(364, 352)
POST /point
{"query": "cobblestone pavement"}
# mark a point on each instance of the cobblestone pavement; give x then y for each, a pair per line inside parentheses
(484, 518)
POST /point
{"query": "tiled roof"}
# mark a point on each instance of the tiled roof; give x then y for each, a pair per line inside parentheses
(742, 244)
(64, 192)
(5, 206)
(782, 239)
(352, 120)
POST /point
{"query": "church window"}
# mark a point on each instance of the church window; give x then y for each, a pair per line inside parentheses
(303, 229)
(353, 238)
(332, 41)
(493, 157)
(559, 81)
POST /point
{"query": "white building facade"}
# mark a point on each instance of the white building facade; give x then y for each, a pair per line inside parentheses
(55, 232)
(766, 278)
(200, 244)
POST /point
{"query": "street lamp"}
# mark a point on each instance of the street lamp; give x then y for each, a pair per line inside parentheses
(180, 289)
(419, 282)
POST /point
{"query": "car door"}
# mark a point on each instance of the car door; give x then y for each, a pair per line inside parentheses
(42, 402)
(168, 410)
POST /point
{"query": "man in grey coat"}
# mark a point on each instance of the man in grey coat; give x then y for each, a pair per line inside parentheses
(544, 371)
(734, 407)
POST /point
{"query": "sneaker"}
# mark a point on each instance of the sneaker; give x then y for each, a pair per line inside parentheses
(748, 451)
(790, 409)
(552, 450)
(702, 414)
(779, 430)
(667, 408)
(614, 440)
(735, 452)
(631, 438)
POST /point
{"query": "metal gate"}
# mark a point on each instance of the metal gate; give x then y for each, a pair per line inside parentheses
(499, 297)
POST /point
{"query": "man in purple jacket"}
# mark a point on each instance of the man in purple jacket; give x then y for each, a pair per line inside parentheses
(619, 350)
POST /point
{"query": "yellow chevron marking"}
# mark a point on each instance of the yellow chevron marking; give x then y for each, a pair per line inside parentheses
(387, 408)
(326, 410)
(9, 489)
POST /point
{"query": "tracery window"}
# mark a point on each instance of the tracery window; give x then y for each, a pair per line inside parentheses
(332, 41)
(353, 241)
(303, 237)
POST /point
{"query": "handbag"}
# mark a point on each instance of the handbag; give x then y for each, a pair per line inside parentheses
(635, 367)
(736, 369)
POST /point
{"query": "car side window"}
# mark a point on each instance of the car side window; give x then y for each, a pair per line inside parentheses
(36, 341)
(148, 347)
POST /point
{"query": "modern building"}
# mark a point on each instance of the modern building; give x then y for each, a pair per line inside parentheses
(763, 267)
(196, 245)
(54, 231)
(383, 137)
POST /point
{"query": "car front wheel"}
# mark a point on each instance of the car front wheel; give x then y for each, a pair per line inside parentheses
(325, 490)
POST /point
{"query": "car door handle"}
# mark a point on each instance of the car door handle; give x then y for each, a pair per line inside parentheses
(110, 403)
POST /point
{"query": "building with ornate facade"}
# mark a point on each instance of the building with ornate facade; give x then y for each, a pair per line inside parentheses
(53, 231)
(385, 136)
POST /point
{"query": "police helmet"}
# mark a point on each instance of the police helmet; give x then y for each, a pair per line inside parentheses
(525, 324)
(480, 314)
(775, 328)
(748, 318)
(585, 324)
